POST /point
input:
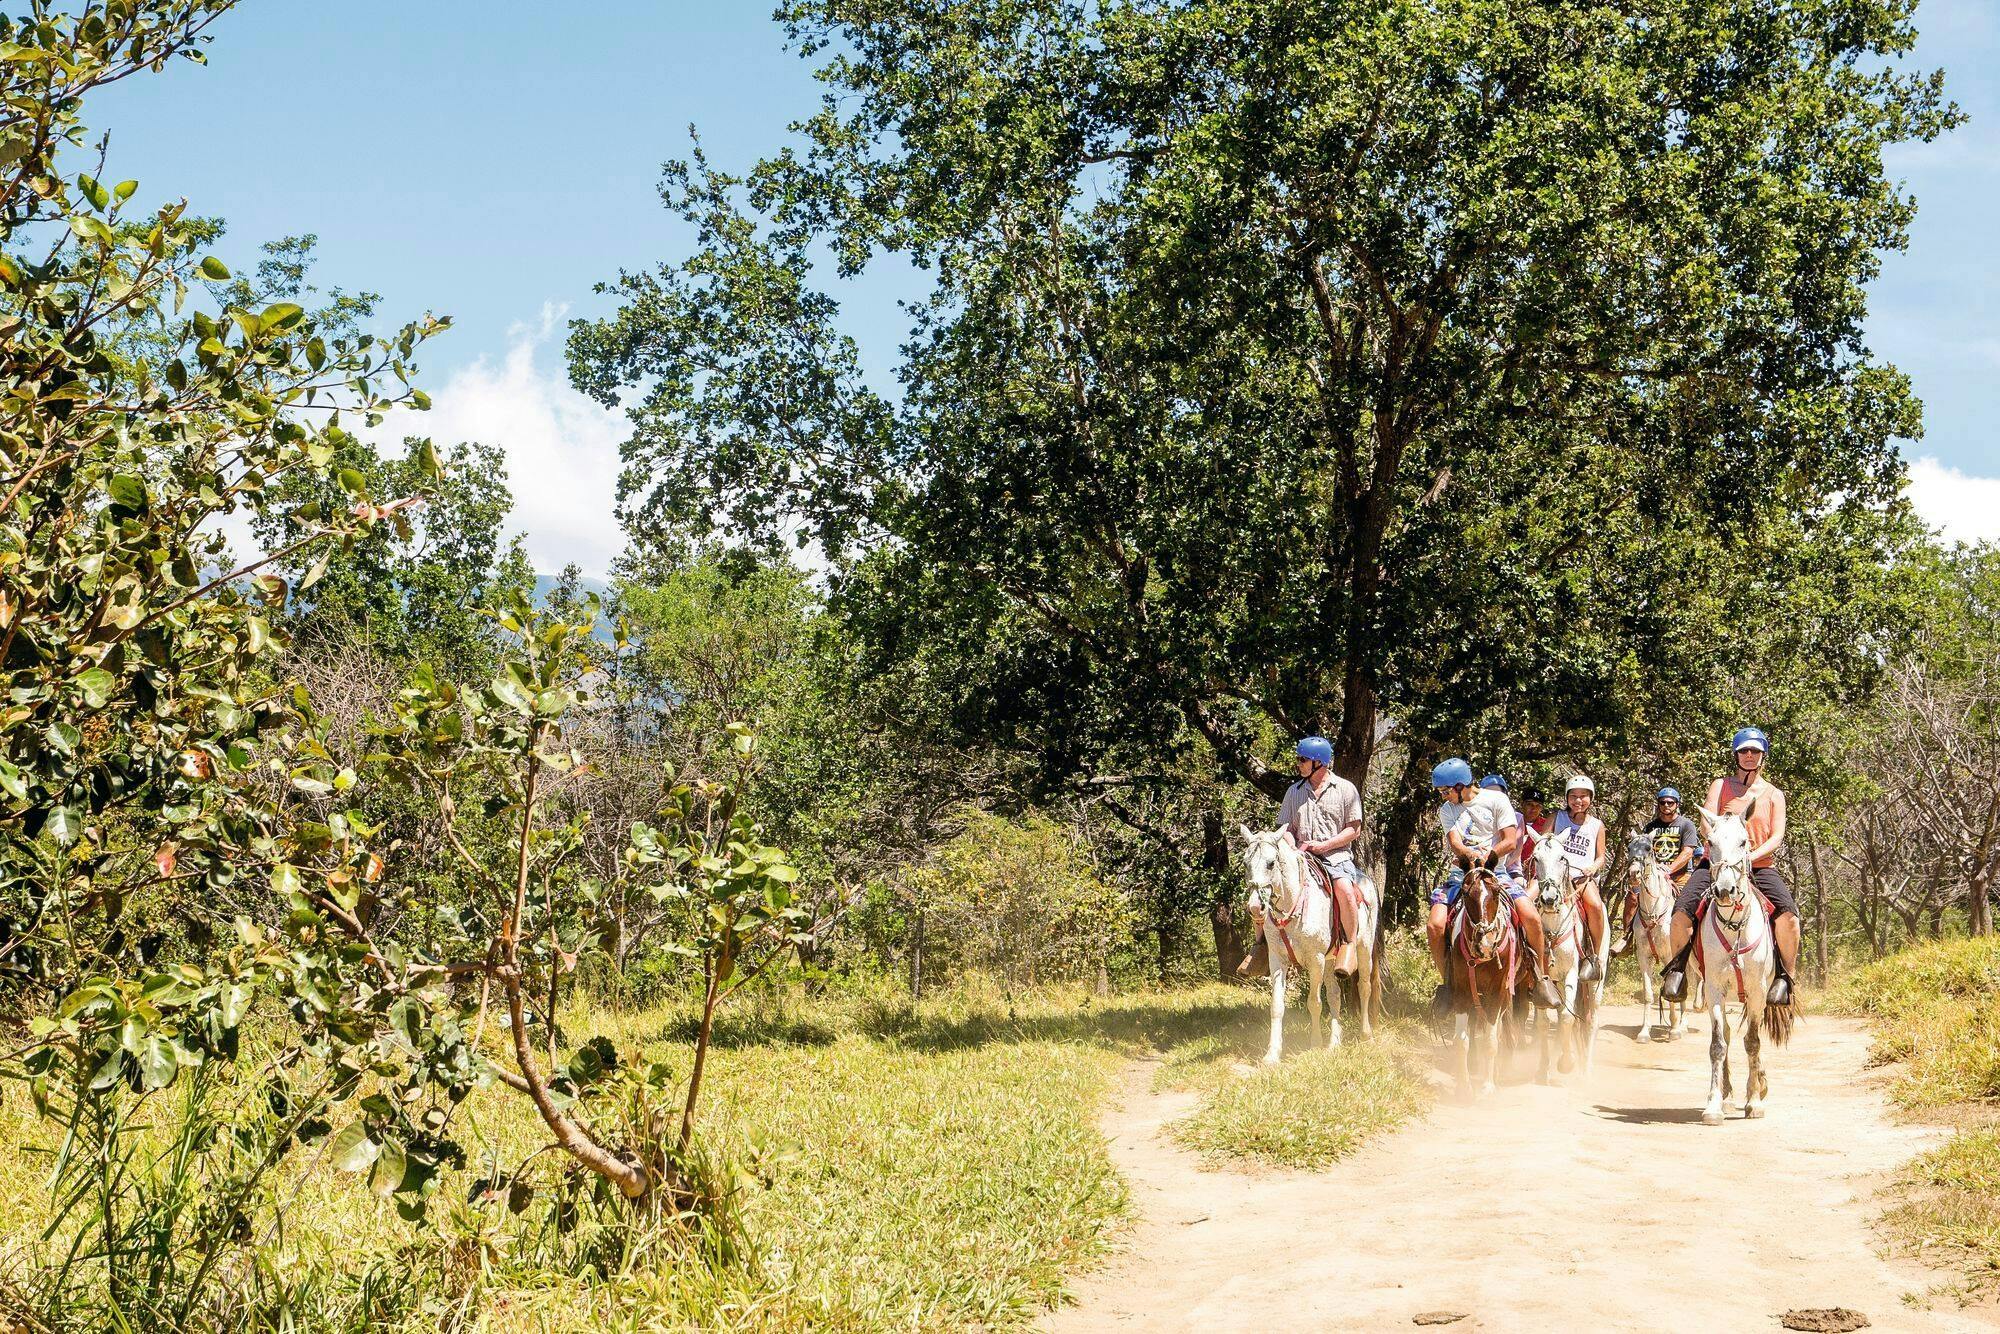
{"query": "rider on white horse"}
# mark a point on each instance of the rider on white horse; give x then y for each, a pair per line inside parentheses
(1479, 829)
(1676, 843)
(1323, 812)
(1761, 805)
(1580, 836)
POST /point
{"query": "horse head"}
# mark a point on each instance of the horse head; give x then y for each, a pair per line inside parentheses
(1551, 876)
(1728, 841)
(1266, 861)
(1486, 913)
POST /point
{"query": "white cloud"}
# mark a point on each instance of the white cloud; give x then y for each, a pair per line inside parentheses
(1961, 506)
(562, 448)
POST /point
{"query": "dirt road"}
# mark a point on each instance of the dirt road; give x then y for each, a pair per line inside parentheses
(1601, 1206)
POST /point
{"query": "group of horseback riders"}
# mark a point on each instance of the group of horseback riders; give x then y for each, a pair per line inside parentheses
(1483, 831)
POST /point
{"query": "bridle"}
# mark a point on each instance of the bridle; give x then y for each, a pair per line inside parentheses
(1277, 917)
(1486, 937)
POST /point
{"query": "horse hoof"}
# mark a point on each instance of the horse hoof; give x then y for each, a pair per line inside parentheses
(1711, 1118)
(1486, 1089)
(1271, 1058)
(1753, 1113)
(1646, 1035)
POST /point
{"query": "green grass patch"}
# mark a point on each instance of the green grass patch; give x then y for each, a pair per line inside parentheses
(1313, 1109)
(933, 1166)
(1936, 1010)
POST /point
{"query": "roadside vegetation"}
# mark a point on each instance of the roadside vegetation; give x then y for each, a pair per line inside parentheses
(1935, 1009)
(395, 936)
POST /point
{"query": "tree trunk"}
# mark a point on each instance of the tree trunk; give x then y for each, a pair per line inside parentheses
(1819, 913)
(1222, 910)
(1979, 903)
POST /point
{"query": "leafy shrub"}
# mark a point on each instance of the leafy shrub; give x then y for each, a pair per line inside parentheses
(1018, 900)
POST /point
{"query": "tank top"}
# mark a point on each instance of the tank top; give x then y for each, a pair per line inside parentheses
(1578, 842)
(1763, 817)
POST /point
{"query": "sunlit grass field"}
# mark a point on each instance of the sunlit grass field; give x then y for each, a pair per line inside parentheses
(930, 1166)
(1936, 1010)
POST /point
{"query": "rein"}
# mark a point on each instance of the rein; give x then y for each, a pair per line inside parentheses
(1281, 920)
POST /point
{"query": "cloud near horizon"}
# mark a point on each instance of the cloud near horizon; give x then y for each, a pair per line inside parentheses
(1959, 506)
(561, 447)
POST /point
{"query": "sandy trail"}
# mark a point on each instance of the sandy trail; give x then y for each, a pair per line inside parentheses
(1602, 1206)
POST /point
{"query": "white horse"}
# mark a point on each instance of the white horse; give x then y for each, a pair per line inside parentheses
(1299, 930)
(1652, 940)
(1573, 1032)
(1737, 953)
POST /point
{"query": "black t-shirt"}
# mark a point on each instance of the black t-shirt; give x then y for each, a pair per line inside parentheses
(1669, 839)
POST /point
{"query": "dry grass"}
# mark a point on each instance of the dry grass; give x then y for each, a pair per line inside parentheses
(923, 1167)
(1936, 1011)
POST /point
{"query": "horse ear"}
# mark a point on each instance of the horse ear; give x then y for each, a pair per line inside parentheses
(1748, 807)
(1708, 822)
(1249, 836)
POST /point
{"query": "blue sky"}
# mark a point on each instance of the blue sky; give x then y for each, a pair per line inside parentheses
(494, 160)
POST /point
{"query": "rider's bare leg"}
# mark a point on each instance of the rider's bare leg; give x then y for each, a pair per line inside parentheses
(1631, 909)
(1681, 931)
(1346, 897)
(1434, 928)
(1594, 929)
(1786, 929)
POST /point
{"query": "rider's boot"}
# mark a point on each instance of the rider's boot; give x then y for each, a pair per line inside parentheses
(1546, 994)
(1587, 968)
(1674, 980)
(1780, 990)
(1257, 963)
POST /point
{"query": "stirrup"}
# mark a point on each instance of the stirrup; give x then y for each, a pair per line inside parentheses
(1780, 992)
(1588, 969)
(1674, 982)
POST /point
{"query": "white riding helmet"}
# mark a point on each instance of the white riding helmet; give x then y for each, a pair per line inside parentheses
(1579, 781)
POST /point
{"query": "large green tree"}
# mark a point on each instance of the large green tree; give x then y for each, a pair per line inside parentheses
(1307, 366)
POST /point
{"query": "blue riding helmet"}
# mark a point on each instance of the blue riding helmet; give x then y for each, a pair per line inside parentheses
(1317, 749)
(1452, 773)
(1668, 794)
(1494, 780)
(1750, 738)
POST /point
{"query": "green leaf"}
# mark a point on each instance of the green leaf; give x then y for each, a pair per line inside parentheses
(157, 1063)
(389, 1168)
(211, 267)
(96, 685)
(64, 825)
(13, 782)
(351, 1149)
(124, 190)
(127, 490)
(277, 318)
(98, 196)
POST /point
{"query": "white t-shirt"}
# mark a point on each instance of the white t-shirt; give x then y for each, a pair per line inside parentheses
(1479, 821)
(1577, 842)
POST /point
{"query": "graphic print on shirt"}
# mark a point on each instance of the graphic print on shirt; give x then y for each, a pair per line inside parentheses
(1577, 841)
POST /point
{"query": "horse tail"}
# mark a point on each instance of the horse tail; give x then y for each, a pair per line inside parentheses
(1778, 1023)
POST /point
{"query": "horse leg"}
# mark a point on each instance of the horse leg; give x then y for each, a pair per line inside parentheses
(1567, 1025)
(1316, 977)
(1276, 1051)
(1462, 1040)
(1590, 998)
(1644, 951)
(1493, 1049)
(1753, 1055)
(1364, 987)
(1718, 1064)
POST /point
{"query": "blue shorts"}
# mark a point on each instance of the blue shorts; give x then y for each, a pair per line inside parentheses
(1447, 893)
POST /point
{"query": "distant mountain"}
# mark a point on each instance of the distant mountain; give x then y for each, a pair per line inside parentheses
(545, 584)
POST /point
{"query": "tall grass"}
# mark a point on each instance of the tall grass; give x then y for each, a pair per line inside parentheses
(932, 1166)
(1936, 1010)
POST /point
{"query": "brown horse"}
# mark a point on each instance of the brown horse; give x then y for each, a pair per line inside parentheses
(1488, 964)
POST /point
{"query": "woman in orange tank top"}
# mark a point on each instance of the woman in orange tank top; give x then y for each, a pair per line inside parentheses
(1760, 804)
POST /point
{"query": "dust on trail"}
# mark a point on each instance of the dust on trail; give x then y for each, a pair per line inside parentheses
(1600, 1205)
